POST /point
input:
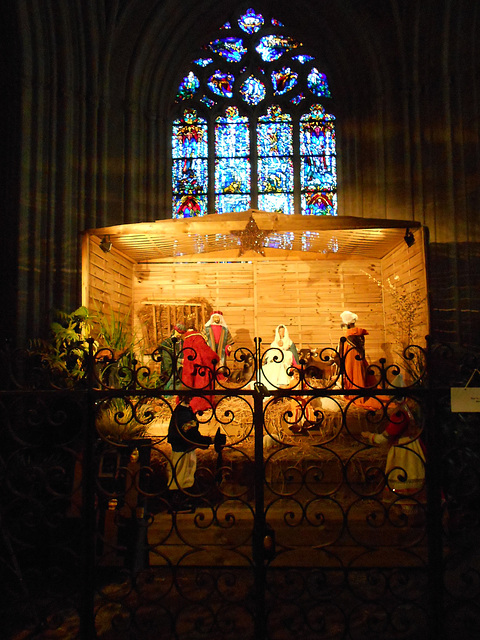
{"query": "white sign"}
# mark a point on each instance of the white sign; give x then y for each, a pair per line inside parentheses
(465, 400)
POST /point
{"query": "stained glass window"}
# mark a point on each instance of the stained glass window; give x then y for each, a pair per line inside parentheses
(231, 49)
(232, 163)
(283, 80)
(190, 165)
(221, 84)
(317, 162)
(275, 161)
(251, 21)
(252, 128)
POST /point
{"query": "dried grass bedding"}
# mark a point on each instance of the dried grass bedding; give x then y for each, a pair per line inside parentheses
(326, 453)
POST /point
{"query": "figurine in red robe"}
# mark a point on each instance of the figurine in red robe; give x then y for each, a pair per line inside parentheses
(199, 364)
(356, 365)
(405, 465)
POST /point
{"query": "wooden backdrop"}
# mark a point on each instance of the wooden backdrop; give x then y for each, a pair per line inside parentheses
(389, 295)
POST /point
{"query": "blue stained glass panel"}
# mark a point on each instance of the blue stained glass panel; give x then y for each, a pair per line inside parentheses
(283, 80)
(189, 138)
(319, 171)
(232, 140)
(274, 138)
(232, 136)
(273, 47)
(189, 175)
(232, 175)
(275, 175)
(317, 138)
(317, 132)
(221, 84)
(232, 202)
(231, 49)
(251, 22)
(232, 164)
(303, 58)
(317, 83)
(188, 87)
(253, 91)
(297, 99)
(203, 62)
(228, 173)
(276, 202)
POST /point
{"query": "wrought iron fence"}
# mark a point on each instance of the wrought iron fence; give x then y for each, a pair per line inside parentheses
(299, 500)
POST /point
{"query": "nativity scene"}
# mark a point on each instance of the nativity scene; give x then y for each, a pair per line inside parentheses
(230, 436)
(274, 333)
(255, 265)
(315, 328)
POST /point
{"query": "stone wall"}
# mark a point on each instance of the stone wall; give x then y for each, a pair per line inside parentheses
(90, 87)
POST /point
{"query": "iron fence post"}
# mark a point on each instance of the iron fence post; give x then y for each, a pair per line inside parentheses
(87, 618)
(259, 524)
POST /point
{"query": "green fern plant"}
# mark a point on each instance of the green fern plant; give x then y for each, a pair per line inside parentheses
(63, 353)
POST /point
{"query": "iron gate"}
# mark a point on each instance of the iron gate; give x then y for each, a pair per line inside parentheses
(298, 525)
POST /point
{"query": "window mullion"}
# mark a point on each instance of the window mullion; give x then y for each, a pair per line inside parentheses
(297, 195)
(211, 165)
(254, 162)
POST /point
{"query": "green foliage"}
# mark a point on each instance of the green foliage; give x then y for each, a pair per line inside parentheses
(63, 354)
(115, 332)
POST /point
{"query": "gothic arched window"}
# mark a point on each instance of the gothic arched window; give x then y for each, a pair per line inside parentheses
(251, 129)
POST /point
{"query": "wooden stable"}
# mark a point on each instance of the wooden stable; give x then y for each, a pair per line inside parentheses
(262, 269)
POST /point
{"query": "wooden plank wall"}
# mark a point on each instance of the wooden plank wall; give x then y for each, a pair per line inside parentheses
(257, 295)
(309, 297)
(306, 295)
(107, 280)
(208, 285)
(404, 285)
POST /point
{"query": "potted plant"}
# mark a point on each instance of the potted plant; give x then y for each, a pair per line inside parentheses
(61, 357)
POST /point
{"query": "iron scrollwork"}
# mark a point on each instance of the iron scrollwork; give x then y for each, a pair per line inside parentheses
(299, 503)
